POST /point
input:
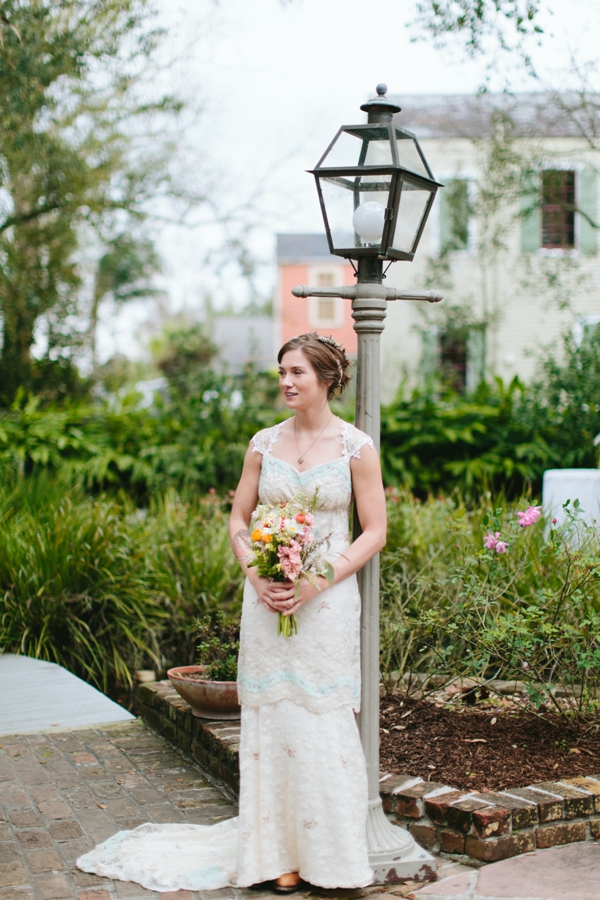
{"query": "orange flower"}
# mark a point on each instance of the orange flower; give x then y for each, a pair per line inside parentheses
(267, 538)
(300, 518)
(257, 534)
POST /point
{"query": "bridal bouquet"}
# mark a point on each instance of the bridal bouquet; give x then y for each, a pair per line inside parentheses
(284, 548)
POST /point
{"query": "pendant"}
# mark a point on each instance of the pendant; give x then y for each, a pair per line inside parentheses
(300, 460)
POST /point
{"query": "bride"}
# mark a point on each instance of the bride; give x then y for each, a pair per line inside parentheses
(303, 786)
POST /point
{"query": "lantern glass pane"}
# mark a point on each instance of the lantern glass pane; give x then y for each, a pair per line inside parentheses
(408, 154)
(355, 209)
(366, 146)
(412, 209)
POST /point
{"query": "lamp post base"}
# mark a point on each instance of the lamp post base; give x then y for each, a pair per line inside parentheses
(393, 854)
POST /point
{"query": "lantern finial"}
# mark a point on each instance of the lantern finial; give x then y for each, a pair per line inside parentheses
(380, 109)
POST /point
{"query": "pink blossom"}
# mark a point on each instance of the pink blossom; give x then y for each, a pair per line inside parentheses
(530, 516)
(501, 547)
(554, 521)
(309, 518)
(291, 561)
(490, 540)
(307, 536)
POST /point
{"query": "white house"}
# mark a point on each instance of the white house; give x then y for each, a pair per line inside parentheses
(512, 240)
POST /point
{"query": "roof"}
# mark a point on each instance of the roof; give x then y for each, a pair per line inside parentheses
(244, 339)
(307, 248)
(476, 115)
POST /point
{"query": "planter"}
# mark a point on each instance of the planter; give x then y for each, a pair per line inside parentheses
(208, 699)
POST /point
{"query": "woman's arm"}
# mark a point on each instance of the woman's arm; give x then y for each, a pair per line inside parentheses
(244, 504)
(369, 498)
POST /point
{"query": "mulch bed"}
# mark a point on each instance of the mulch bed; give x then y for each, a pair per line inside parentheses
(475, 748)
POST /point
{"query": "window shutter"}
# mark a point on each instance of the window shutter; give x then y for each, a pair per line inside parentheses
(445, 219)
(454, 215)
(429, 356)
(588, 204)
(475, 357)
(531, 214)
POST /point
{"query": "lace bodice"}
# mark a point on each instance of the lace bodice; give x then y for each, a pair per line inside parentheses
(320, 666)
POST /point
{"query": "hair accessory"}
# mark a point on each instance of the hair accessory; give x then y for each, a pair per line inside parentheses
(329, 340)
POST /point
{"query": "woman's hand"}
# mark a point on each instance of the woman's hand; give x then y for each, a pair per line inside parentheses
(301, 595)
(275, 595)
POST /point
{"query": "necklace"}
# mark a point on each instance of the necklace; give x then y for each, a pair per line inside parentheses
(302, 455)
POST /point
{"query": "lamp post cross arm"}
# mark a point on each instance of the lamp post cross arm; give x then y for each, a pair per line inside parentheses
(366, 291)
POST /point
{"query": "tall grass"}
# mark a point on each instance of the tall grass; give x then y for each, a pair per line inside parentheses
(102, 588)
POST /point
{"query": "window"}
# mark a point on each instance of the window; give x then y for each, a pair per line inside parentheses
(325, 279)
(455, 216)
(454, 354)
(326, 312)
(558, 209)
(453, 358)
(586, 328)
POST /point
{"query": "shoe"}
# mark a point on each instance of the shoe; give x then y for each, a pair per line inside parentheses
(287, 884)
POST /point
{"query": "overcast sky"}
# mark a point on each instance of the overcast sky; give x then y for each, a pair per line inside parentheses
(272, 82)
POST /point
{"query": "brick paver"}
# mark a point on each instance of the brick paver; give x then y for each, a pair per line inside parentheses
(61, 793)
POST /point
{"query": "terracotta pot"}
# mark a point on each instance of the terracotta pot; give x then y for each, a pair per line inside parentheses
(208, 699)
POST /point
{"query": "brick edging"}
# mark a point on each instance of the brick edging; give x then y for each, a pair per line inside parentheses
(488, 826)
(214, 744)
(482, 826)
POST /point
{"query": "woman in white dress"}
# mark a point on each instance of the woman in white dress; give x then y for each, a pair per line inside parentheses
(303, 786)
(303, 797)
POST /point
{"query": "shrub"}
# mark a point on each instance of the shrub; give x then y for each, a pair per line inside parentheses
(72, 576)
(104, 588)
(219, 645)
(452, 607)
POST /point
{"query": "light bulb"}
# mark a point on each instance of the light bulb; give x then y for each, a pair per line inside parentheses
(368, 221)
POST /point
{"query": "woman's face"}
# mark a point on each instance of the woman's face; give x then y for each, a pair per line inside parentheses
(299, 382)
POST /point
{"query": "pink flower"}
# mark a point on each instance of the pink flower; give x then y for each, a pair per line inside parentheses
(554, 521)
(501, 547)
(490, 540)
(530, 516)
(306, 537)
(291, 561)
(309, 518)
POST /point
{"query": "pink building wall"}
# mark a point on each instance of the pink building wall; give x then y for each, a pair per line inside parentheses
(293, 313)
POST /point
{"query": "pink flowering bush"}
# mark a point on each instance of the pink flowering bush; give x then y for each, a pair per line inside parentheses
(495, 593)
(530, 516)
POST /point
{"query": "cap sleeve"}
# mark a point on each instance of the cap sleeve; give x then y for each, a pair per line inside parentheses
(260, 442)
(354, 440)
(263, 441)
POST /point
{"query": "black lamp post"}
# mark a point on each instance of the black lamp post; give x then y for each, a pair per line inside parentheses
(376, 190)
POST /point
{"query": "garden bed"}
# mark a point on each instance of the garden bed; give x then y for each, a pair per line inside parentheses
(478, 825)
(487, 748)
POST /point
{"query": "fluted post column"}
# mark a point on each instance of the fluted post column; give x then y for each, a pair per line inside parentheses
(369, 318)
(393, 853)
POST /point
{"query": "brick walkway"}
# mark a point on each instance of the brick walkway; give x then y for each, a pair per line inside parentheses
(62, 793)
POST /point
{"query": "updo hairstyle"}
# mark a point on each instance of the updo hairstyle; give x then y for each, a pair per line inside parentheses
(327, 358)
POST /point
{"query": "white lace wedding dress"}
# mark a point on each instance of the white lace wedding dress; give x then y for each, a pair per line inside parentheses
(303, 796)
